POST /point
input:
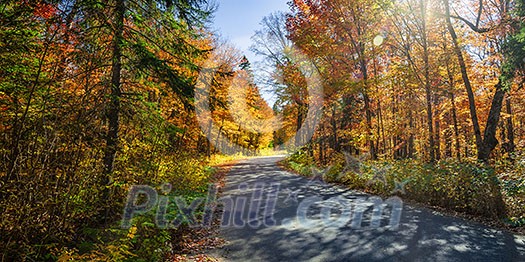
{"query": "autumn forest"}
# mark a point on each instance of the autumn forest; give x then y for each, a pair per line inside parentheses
(98, 96)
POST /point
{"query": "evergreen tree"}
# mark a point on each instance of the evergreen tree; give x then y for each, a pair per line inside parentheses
(514, 49)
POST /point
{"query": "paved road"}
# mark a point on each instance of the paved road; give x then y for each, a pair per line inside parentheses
(421, 235)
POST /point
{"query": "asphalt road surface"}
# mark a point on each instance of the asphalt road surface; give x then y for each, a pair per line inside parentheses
(274, 215)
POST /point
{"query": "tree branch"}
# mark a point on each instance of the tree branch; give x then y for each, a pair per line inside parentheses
(472, 26)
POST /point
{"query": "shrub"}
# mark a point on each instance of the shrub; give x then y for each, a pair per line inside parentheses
(461, 186)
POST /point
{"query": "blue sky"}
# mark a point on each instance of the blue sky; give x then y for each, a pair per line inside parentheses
(237, 20)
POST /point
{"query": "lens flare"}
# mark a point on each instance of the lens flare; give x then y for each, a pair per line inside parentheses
(378, 40)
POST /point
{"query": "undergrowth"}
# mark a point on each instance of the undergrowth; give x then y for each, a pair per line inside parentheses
(468, 187)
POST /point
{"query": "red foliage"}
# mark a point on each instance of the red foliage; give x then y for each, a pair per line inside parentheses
(41, 8)
(45, 10)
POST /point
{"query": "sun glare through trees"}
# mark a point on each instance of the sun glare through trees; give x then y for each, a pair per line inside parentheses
(143, 106)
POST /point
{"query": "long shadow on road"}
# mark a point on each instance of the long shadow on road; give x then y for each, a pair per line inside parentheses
(264, 231)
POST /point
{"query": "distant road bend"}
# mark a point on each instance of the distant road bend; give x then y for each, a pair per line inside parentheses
(268, 230)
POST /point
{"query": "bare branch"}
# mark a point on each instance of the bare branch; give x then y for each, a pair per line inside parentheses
(472, 26)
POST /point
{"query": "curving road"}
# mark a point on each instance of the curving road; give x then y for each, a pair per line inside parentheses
(313, 221)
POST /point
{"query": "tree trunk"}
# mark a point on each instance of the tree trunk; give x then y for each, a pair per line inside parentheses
(368, 110)
(321, 144)
(456, 126)
(381, 141)
(438, 139)
(113, 111)
(428, 90)
(448, 139)
(237, 137)
(503, 137)
(411, 139)
(489, 140)
(382, 127)
(300, 119)
(218, 139)
(437, 148)
(464, 75)
(208, 139)
(371, 145)
(510, 129)
(335, 141)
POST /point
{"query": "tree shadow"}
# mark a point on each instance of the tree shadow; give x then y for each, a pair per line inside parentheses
(422, 235)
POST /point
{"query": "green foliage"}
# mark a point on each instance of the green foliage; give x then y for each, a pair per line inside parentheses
(54, 78)
(143, 241)
(301, 162)
(513, 188)
(514, 46)
(193, 12)
(461, 186)
(516, 222)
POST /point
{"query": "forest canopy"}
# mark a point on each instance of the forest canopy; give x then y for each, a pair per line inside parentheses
(99, 96)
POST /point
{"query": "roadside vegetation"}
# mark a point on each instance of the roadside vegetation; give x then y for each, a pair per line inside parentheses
(494, 195)
(425, 95)
(99, 96)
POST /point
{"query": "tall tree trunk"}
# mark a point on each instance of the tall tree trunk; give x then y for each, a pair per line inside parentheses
(381, 141)
(503, 137)
(510, 129)
(432, 145)
(468, 138)
(113, 111)
(464, 75)
(428, 90)
(489, 139)
(368, 110)
(208, 138)
(238, 136)
(300, 120)
(382, 127)
(448, 138)
(218, 139)
(335, 141)
(411, 139)
(490, 142)
(438, 139)
(321, 144)
(371, 145)
(456, 126)
(395, 153)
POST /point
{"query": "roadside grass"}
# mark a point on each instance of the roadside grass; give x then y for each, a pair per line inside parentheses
(220, 159)
(469, 188)
(145, 240)
(90, 240)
